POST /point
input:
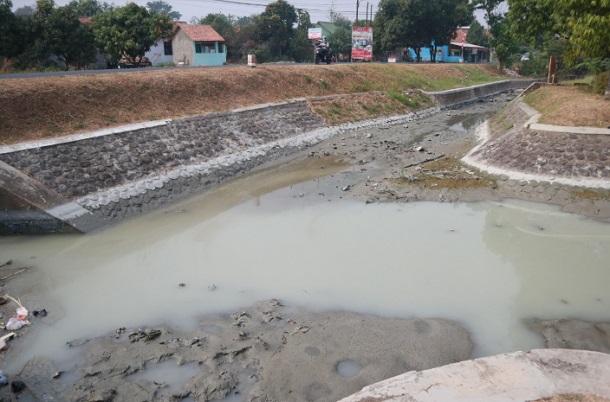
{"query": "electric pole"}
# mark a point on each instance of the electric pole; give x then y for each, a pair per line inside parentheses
(357, 5)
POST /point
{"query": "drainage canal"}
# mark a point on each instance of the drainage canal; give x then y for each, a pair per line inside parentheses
(488, 265)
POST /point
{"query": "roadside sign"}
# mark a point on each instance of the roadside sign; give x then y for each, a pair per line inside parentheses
(314, 33)
(362, 43)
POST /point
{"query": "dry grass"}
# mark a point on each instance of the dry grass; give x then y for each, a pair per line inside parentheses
(570, 106)
(445, 173)
(346, 109)
(48, 107)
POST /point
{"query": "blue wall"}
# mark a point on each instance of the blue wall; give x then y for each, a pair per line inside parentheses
(210, 59)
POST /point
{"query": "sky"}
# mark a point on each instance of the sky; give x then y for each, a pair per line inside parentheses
(319, 10)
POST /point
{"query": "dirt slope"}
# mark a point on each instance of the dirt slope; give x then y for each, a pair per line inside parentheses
(48, 107)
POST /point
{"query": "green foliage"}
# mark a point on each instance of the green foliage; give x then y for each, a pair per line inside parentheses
(502, 40)
(341, 41)
(275, 25)
(307, 78)
(11, 31)
(89, 8)
(161, 7)
(404, 99)
(341, 21)
(583, 23)
(536, 66)
(223, 25)
(600, 83)
(477, 35)
(324, 83)
(129, 31)
(24, 11)
(418, 23)
(299, 47)
(52, 31)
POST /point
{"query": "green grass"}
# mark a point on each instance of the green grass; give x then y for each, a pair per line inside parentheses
(404, 99)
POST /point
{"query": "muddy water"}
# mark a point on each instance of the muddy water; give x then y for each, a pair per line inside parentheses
(487, 265)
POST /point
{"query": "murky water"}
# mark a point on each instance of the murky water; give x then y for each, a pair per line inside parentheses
(487, 265)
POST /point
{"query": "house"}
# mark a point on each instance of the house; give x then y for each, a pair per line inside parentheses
(458, 51)
(162, 51)
(198, 45)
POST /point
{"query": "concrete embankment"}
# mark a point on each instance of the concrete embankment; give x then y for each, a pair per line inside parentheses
(82, 182)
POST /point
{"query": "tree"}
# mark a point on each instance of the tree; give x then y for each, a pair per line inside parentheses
(341, 21)
(276, 25)
(418, 23)
(446, 16)
(299, 46)
(129, 31)
(583, 23)
(57, 32)
(162, 7)
(24, 11)
(223, 25)
(501, 39)
(341, 41)
(11, 31)
(89, 8)
(477, 35)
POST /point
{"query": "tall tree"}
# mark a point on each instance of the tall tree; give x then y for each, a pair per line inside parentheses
(89, 8)
(502, 38)
(419, 23)
(446, 16)
(11, 31)
(222, 24)
(161, 7)
(585, 24)
(276, 25)
(24, 11)
(130, 31)
(53, 31)
(299, 46)
(477, 35)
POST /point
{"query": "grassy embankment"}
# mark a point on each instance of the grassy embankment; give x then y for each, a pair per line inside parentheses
(570, 106)
(49, 107)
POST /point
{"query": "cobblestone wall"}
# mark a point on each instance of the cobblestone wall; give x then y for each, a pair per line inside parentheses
(464, 95)
(78, 168)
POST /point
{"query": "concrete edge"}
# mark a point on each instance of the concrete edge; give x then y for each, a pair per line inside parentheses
(568, 129)
(517, 376)
(79, 137)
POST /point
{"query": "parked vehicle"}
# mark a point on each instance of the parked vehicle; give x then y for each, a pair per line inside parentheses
(323, 53)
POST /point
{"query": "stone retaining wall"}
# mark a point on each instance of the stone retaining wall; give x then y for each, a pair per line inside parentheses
(108, 176)
(453, 97)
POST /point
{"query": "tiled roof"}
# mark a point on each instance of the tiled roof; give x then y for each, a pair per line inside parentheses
(460, 39)
(201, 33)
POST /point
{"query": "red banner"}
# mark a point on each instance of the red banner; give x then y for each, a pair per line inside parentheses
(362, 43)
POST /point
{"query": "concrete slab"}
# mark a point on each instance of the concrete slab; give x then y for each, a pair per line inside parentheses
(515, 376)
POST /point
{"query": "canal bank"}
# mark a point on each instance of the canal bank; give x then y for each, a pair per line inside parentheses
(386, 162)
(83, 182)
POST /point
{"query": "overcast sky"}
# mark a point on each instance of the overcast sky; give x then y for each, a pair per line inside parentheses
(318, 9)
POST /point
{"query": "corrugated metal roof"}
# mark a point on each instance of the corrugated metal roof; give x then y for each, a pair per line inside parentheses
(201, 33)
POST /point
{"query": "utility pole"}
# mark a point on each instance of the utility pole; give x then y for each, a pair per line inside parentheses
(357, 5)
(366, 23)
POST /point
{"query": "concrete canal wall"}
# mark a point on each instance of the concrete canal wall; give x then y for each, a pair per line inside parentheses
(82, 182)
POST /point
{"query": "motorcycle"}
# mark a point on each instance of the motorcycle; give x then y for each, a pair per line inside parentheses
(323, 53)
